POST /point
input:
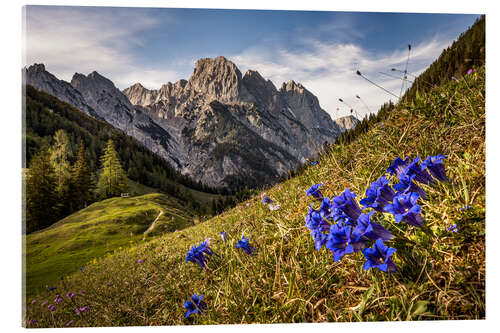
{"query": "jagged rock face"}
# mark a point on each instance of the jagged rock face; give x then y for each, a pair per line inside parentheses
(98, 97)
(38, 77)
(218, 127)
(217, 79)
(347, 122)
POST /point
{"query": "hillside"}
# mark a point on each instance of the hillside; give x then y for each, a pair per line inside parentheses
(440, 276)
(45, 114)
(99, 229)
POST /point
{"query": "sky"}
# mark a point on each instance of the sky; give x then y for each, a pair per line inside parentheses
(320, 49)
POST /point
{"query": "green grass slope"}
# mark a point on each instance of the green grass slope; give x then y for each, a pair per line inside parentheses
(441, 275)
(95, 231)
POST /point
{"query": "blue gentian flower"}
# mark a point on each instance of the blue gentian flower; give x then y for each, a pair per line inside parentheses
(404, 208)
(325, 209)
(435, 166)
(197, 253)
(452, 228)
(379, 256)
(421, 175)
(319, 239)
(266, 200)
(407, 185)
(346, 203)
(315, 220)
(340, 242)
(372, 230)
(378, 194)
(398, 166)
(314, 162)
(315, 192)
(245, 245)
(223, 235)
(194, 306)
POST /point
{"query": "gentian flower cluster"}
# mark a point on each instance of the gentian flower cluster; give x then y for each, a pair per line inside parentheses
(197, 253)
(343, 227)
(194, 306)
(245, 245)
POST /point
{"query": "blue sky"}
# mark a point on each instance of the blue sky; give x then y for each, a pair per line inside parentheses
(321, 50)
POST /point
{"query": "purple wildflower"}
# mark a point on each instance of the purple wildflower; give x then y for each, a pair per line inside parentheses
(315, 192)
(404, 208)
(452, 228)
(398, 166)
(82, 292)
(43, 303)
(33, 301)
(245, 245)
(407, 185)
(317, 223)
(140, 261)
(420, 172)
(58, 299)
(314, 162)
(223, 235)
(378, 194)
(469, 72)
(379, 257)
(52, 307)
(69, 322)
(197, 253)
(32, 322)
(372, 230)
(346, 203)
(435, 166)
(267, 200)
(70, 294)
(78, 311)
(194, 306)
(340, 241)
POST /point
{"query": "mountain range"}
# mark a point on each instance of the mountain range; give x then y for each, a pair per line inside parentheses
(220, 127)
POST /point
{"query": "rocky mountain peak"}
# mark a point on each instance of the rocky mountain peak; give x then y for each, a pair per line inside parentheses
(293, 86)
(218, 78)
(37, 68)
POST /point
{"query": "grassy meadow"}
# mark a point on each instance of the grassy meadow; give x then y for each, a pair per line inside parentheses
(101, 228)
(440, 276)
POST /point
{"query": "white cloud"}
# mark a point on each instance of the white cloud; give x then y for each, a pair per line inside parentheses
(79, 39)
(328, 70)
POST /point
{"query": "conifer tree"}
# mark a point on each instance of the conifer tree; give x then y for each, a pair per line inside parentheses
(41, 195)
(60, 153)
(81, 181)
(112, 180)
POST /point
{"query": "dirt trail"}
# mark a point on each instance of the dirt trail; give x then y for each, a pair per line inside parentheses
(153, 224)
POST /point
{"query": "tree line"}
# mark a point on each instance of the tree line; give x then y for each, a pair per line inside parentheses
(56, 188)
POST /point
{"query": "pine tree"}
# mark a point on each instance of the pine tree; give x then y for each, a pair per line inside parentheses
(81, 181)
(112, 180)
(41, 195)
(60, 153)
